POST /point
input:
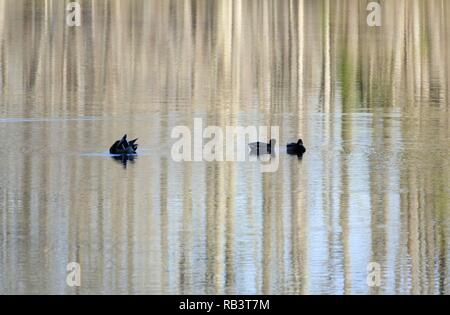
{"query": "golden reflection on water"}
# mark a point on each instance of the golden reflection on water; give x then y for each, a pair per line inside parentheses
(370, 103)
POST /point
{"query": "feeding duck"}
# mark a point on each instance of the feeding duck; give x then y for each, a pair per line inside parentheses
(262, 147)
(296, 148)
(123, 146)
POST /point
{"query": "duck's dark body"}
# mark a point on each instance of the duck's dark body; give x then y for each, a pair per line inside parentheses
(123, 146)
(296, 148)
(262, 147)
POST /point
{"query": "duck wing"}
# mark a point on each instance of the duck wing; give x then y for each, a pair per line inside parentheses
(123, 144)
(114, 147)
(132, 144)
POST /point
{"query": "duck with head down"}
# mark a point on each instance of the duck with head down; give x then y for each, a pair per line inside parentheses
(123, 146)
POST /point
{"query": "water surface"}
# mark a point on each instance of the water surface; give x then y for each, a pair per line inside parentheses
(371, 105)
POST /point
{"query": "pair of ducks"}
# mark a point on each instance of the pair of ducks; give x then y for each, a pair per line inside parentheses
(266, 148)
(125, 147)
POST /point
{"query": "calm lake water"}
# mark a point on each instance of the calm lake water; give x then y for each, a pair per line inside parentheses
(371, 104)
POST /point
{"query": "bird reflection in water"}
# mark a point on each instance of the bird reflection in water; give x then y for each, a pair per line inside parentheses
(124, 159)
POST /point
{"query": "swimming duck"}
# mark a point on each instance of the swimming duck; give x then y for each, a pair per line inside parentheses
(262, 147)
(296, 148)
(123, 146)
